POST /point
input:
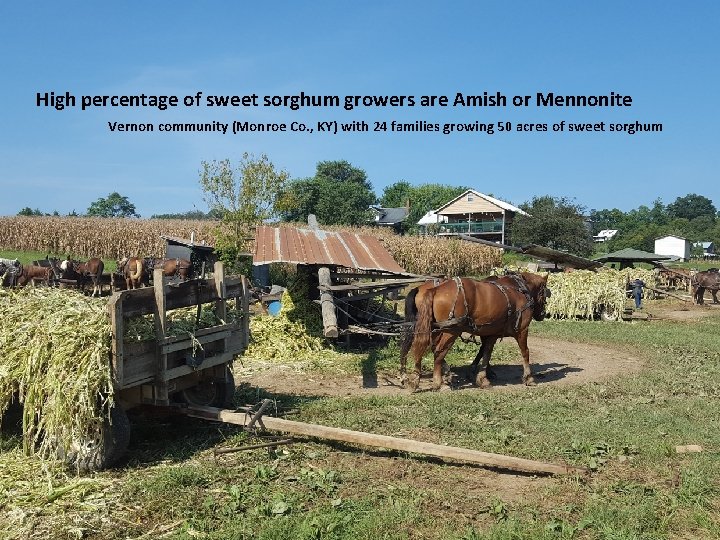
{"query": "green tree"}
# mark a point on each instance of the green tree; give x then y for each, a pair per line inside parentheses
(553, 222)
(243, 197)
(114, 205)
(338, 194)
(396, 195)
(27, 211)
(691, 206)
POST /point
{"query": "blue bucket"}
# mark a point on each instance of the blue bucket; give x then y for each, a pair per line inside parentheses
(274, 307)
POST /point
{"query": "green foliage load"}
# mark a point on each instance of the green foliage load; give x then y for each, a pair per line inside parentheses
(295, 334)
(54, 357)
(182, 321)
(585, 294)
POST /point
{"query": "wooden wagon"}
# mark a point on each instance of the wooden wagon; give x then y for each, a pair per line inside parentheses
(193, 369)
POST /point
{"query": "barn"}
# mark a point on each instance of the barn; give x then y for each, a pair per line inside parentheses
(674, 246)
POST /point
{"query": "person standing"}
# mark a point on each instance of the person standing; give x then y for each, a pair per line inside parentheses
(637, 292)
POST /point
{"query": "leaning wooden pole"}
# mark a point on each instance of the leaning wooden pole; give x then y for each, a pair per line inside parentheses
(327, 304)
(384, 441)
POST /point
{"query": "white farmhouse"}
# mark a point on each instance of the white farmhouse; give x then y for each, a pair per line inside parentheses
(673, 246)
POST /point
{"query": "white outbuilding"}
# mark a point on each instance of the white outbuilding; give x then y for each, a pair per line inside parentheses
(673, 246)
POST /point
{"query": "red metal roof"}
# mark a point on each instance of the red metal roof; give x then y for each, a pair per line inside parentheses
(306, 246)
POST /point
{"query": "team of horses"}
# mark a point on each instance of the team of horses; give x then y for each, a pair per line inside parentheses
(136, 272)
(438, 313)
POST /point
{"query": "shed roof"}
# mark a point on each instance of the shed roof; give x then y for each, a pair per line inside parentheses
(390, 216)
(634, 255)
(199, 246)
(315, 246)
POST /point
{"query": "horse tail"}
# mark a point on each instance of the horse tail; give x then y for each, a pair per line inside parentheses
(409, 330)
(138, 269)
(423, 324)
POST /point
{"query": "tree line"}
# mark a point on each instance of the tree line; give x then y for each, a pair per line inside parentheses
(254, 191)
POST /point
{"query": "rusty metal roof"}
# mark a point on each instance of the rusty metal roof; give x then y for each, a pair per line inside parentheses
(308, 246)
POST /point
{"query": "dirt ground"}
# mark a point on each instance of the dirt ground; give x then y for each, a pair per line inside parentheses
(554, 362)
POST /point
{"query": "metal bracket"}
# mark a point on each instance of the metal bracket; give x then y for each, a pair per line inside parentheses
(257, 416)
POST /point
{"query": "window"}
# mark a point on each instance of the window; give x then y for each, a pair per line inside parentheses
(470, 198)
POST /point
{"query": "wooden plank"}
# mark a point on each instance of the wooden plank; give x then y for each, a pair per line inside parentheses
(373, 275)
(117, 325)
(141, 301)
(219, 277)
(327, 305)
(220, 304)
(179, 371)
(202, 332)
(244, 307)
(375, 285)
(356, 297)
(160, 314)
(385, 441)
(160, 318)
(187, 343)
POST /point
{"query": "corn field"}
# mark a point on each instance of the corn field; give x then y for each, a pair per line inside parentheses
(115, 238)
(97, 237)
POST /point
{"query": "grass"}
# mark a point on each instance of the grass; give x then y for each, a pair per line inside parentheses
(626, 428)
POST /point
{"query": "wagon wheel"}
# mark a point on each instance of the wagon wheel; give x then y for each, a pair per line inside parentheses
(103, 447)
(211, 392)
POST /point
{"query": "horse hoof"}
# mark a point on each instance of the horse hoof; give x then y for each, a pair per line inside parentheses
(529, 381)
(483, 382)
(412, 382)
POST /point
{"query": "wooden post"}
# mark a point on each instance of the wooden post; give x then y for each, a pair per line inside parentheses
(219, 276)
(330, 326)
(117, 324)
(384, 441)
(160, 317)
(245, 308)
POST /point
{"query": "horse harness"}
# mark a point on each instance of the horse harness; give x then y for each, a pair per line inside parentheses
(468, 321)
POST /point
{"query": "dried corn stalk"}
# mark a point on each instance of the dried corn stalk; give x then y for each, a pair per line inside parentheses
(586, 294)
(54, 356)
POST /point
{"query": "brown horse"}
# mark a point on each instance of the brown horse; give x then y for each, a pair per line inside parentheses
(81, 272)
(181, 268)
(133, 269)
(92, 269)
(710, 280)
(491, 309)
(29, 274)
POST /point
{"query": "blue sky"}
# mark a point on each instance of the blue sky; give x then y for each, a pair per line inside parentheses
(663, 54)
